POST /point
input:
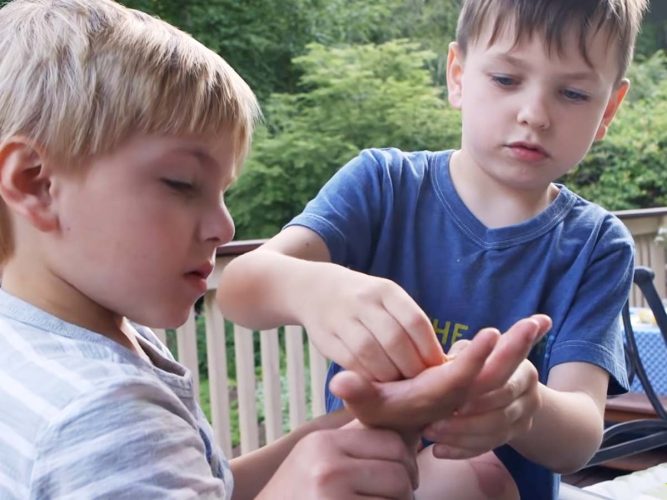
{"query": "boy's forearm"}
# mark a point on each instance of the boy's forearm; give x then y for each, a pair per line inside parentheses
(566, 432)
(264, 289)
(253, 470)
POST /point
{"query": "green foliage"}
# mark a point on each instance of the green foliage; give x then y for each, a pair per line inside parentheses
(647, 77)
(350, 98)
(373, 78)
(629, 168)
(260, 38)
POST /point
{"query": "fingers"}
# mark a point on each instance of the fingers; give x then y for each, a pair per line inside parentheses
(380, 446)
(416, 324)
(398, 342)
(513, 347)
(347, 463)
(409, 404)
(522, 381)
(367, 354)
(338, 351)
(462, 437)
(354, 389)
(377, 330)
(489, 421)
(381, 479)
(545, 324)
(457, 347)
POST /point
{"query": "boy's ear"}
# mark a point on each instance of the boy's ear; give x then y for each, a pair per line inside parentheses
(615, 100)
(25, 184)
(454, 75)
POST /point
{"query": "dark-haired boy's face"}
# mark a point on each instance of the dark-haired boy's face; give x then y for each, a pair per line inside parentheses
(530, 115)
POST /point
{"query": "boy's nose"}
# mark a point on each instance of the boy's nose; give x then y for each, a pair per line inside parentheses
(534, 113)
(218, 225)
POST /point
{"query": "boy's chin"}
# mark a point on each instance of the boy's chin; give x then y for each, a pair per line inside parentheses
(165, 319)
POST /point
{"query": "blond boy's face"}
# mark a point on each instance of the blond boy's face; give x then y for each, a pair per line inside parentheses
(529, 115)
(138, 232)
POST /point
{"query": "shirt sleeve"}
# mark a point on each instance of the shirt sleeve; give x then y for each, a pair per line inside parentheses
(347, 210)
(592, 331)
(131, 440)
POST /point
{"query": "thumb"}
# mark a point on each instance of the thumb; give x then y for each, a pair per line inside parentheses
(351, 387)
(544, 323)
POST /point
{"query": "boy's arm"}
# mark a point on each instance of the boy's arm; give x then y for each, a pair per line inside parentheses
(567, 429)
(265, 288)
(364, 323)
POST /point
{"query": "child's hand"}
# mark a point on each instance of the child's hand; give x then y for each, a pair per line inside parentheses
(352, 462)
(413, 403)
(489, 421)
(494, 414)
(490, 362)
(369, 325)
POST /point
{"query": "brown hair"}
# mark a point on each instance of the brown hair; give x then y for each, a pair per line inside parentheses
(619, 19)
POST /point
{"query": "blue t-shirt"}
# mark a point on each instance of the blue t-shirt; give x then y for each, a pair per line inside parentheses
(397, 215)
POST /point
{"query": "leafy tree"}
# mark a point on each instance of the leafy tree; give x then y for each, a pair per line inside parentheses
(260, 38)
(350, 98)
(629, 168)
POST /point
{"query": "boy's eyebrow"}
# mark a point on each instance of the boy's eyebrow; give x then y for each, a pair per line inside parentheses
(204, 158)
(510, 59)
(584, 75)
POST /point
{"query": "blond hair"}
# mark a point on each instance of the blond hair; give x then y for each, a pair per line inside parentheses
(79, 77)
(618, 19)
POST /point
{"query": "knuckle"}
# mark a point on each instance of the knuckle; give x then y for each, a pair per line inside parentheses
(323, 473)
(533, 376)
(509, 414)
(527, 424)
(413, 322)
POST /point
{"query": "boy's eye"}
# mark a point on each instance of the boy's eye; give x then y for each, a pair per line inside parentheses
(574, 95)
(504, 80)
(178, 185)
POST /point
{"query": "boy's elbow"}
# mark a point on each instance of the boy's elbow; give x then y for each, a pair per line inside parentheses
(233, 288)
(576, 458)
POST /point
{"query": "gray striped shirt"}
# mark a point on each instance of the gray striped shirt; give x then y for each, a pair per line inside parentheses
(83, 417)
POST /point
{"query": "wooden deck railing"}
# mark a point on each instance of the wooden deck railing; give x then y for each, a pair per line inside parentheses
(286, 369)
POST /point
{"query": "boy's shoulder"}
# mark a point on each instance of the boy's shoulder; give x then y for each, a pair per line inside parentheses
(586, 216)
(381, 164)
(84, 416)
(70, 395)
(54, 367)
(397, 158)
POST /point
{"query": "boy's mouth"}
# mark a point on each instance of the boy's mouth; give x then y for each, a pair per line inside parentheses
(527, 151)
(202, 271)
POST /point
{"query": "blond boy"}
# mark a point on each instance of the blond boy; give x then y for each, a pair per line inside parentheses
(398, 245)
(118, 135)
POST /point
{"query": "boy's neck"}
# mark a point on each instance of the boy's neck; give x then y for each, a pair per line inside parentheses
(493, 204)
(53, 295)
